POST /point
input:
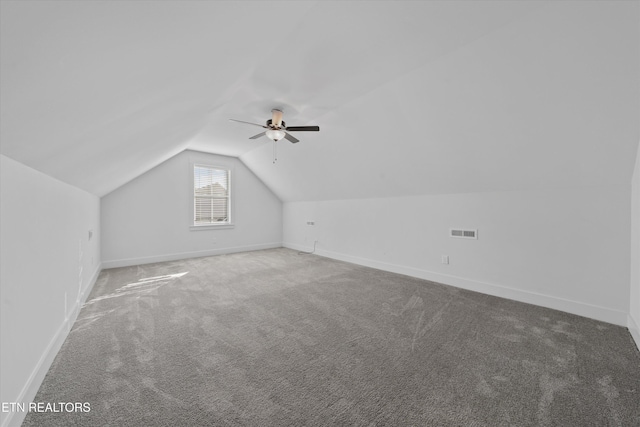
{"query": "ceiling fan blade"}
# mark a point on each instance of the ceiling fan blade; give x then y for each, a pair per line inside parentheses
(258, 135)
(291, 138)
(303, 128)
(249, 123)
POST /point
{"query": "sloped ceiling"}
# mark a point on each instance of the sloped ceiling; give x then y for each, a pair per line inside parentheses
(411, 97)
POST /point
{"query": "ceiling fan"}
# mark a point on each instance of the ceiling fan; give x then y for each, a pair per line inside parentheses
(276, 129)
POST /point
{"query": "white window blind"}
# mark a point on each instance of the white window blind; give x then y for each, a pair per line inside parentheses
(211, 195)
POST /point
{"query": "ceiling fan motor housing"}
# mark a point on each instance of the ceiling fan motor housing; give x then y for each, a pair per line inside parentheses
(270, 121)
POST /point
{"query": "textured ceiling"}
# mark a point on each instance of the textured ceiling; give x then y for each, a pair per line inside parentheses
(411, 97)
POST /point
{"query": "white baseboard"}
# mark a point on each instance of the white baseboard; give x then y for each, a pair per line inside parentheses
(30, 389)
(185, 255)
(634, 329)
(574, 307)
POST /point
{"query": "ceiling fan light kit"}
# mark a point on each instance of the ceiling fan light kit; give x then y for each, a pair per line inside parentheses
(275, 134)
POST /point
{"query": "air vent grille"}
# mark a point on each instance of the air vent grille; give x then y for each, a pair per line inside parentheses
(463, 233)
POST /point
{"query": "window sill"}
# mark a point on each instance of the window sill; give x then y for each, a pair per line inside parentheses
(211, 227)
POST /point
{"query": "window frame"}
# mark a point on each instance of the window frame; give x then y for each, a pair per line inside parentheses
(230, 197)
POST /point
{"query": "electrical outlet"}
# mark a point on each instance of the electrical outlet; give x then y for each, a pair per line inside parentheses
(445, 259)
(311, 223)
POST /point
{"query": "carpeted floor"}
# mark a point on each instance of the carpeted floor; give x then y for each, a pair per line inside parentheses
(273, 338)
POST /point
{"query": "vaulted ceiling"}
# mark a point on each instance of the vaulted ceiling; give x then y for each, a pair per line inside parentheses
(411, 97)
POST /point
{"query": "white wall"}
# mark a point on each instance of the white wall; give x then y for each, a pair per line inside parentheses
(148, 219)
(565, 249)
(49, 265)
(634, 297)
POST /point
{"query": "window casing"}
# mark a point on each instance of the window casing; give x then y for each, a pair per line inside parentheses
(211, 196)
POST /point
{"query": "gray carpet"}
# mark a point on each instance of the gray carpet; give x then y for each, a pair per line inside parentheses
(273, 338)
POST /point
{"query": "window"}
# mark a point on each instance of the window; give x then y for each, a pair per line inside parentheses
(211, 196)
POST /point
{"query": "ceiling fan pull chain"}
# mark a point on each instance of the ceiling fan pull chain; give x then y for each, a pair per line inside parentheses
(275, 157)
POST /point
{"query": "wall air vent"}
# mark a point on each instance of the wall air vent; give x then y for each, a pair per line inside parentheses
(463, 234)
